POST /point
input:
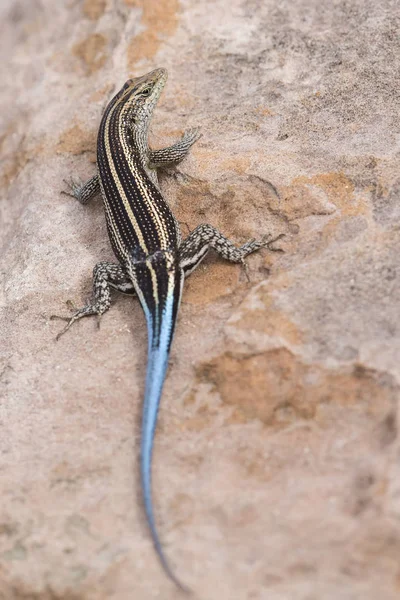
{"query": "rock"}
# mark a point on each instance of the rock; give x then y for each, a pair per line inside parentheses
(276, 469)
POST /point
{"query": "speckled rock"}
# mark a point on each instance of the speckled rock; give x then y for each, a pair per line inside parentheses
(276, 467)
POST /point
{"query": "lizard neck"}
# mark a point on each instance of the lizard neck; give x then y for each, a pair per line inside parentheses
(140, 143)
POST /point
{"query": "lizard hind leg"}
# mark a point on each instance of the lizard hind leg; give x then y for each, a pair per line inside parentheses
(204, 237)
(106, 276)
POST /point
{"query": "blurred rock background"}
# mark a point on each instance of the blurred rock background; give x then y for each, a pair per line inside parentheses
(276, 467)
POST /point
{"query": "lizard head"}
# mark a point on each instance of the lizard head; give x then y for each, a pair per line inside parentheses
(139, 96)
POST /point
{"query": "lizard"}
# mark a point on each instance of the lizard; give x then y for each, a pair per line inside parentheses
(153, 259)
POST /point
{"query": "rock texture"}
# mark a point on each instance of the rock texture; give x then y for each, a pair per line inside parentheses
(276, 469)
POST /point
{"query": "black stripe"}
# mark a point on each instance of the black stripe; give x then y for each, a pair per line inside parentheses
(134, 196)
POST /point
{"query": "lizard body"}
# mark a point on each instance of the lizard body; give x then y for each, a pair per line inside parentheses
(145, 236)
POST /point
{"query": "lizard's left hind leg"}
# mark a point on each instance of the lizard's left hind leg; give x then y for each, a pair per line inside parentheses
(105, 276)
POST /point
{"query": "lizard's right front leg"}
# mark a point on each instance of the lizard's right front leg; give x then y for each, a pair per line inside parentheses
(175, 153)
(105, 276)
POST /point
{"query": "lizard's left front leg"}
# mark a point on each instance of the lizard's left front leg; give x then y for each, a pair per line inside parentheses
(83, 192)
(105, 276)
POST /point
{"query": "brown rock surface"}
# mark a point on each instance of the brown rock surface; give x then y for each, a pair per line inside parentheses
(276, 467)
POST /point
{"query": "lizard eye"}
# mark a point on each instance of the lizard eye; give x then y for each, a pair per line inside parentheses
(146, 91)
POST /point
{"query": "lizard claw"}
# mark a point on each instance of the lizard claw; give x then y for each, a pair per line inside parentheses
(88, 309)
(69, 320)
(59, 317)
(267, 242)
(75, 188)
(53, 317)
(192, 135)
(246, 269)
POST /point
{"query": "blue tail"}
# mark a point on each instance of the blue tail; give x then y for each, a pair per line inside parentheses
(160, 307)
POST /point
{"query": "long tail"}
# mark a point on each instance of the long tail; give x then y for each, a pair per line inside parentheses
(160, 306)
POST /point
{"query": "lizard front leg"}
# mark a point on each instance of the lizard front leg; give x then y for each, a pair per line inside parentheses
(204, 237)
(175, 153)
(105, 276)
(83, 192)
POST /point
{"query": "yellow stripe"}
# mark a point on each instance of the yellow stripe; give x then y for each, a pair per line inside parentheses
(154, 281)
(144, 189)
(114, 228)
(117, 181)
